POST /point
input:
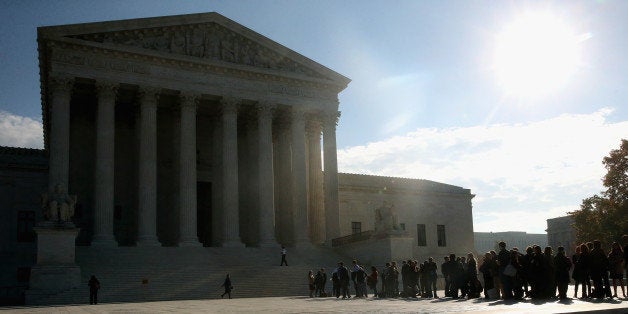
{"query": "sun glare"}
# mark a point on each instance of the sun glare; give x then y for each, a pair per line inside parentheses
(535, 55)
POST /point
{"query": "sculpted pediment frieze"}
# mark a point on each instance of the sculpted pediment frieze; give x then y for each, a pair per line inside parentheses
(210, 41)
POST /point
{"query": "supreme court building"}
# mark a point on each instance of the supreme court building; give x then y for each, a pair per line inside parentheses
(190, 124)
(194, 130)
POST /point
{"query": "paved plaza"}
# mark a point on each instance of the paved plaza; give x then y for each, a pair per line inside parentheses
(333, 305)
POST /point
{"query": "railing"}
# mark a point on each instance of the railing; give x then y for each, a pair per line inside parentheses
(356, 237)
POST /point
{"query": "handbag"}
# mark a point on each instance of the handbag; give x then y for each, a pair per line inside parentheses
(510, 271)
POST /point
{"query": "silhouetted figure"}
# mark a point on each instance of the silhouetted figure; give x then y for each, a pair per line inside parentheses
(562, 265)
(228, 287)
(94, 285)
(311, 283)
(616, 268)
(283, 256)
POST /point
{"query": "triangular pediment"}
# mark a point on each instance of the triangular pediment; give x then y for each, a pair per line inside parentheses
(209, 36)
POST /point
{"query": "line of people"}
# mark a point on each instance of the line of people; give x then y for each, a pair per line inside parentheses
(506, 274)
(539, 274)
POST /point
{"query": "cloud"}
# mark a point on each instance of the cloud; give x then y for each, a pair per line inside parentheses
(514, 169)
(18, 131)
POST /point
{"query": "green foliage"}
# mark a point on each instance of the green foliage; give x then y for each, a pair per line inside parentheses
(605, 217)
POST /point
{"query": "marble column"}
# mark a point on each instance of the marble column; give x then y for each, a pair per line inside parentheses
(299, 178)
(230, 195)
(147, 233)
(104, 176)
(187, 171)
(316, 213)
(332, 214)
(284, 229)
(266, 192)
(59, 134)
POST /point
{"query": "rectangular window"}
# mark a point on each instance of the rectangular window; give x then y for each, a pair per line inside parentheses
(421, 235)
(25, 224)
(440, 232)
(356, 227)
(402, 226)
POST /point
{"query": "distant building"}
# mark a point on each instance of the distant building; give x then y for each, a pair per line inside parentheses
(560, 232)
(486, 241)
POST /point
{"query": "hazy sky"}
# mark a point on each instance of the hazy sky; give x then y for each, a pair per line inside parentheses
(518, 101)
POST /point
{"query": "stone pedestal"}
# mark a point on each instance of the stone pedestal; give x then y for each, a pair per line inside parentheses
(380, 249)
(56, 270)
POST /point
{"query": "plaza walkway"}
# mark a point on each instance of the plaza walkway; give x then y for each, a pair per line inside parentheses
(333, 305)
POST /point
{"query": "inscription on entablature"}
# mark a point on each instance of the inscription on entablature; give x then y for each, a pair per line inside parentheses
(209, 41)
(112, 64)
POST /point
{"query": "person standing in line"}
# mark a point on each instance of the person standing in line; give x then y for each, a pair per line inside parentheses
(372, 280)
(94, 285)
(228, 287)
(343, 276)
(283, 256)
(562, 265)
(616, 268)
(624, 238)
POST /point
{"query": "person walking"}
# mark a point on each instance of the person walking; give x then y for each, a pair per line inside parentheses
(283, 256)
(228, 287)
(94, 285)
(311, 283)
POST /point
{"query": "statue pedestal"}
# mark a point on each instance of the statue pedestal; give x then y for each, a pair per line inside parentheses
(56, 270)
(381, 248)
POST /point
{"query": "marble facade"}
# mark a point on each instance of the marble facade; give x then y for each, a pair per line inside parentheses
(146, 118)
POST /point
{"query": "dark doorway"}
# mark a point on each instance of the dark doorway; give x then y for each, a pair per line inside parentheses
(204, 212)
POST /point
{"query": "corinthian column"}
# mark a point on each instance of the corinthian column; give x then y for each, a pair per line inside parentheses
(316, 211)
(59, 143)
(266, 191)
(147, 234)
(187, 171)
(104, 176)
(332, 219)
(299, 178)
(230, 195)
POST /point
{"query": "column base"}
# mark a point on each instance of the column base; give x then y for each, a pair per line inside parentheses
(233, 243)
(189, 242)
(269, 243)
(104, 241)
(148, 241)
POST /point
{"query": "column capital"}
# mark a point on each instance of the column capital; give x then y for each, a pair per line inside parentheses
(61, 83)
(265, 109)
(107, 89)
(330, 118)
(230, 104)
(148, 95)
(313, 125)
(297, 114)
(189, 99)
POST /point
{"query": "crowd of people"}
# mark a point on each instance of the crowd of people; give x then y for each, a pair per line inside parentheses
(536, 273)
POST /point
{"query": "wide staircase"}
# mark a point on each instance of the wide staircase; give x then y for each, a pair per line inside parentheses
(135, 274)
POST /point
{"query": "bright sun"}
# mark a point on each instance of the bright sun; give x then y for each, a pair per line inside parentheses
(535, 54)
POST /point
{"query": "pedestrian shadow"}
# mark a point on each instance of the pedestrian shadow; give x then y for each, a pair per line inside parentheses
(605, 300)
(504, 302)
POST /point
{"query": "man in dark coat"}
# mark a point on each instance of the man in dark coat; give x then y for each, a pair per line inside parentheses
(94, 285)
(343, 277)
(503, 259)
(599, 271)
(562, 265)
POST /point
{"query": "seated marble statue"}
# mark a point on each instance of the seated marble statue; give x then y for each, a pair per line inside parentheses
(58, 206)
(385, 219)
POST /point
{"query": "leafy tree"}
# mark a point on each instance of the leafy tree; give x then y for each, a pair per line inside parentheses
(605, 216)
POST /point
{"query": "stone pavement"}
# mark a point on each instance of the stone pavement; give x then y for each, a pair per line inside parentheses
(333, 305)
